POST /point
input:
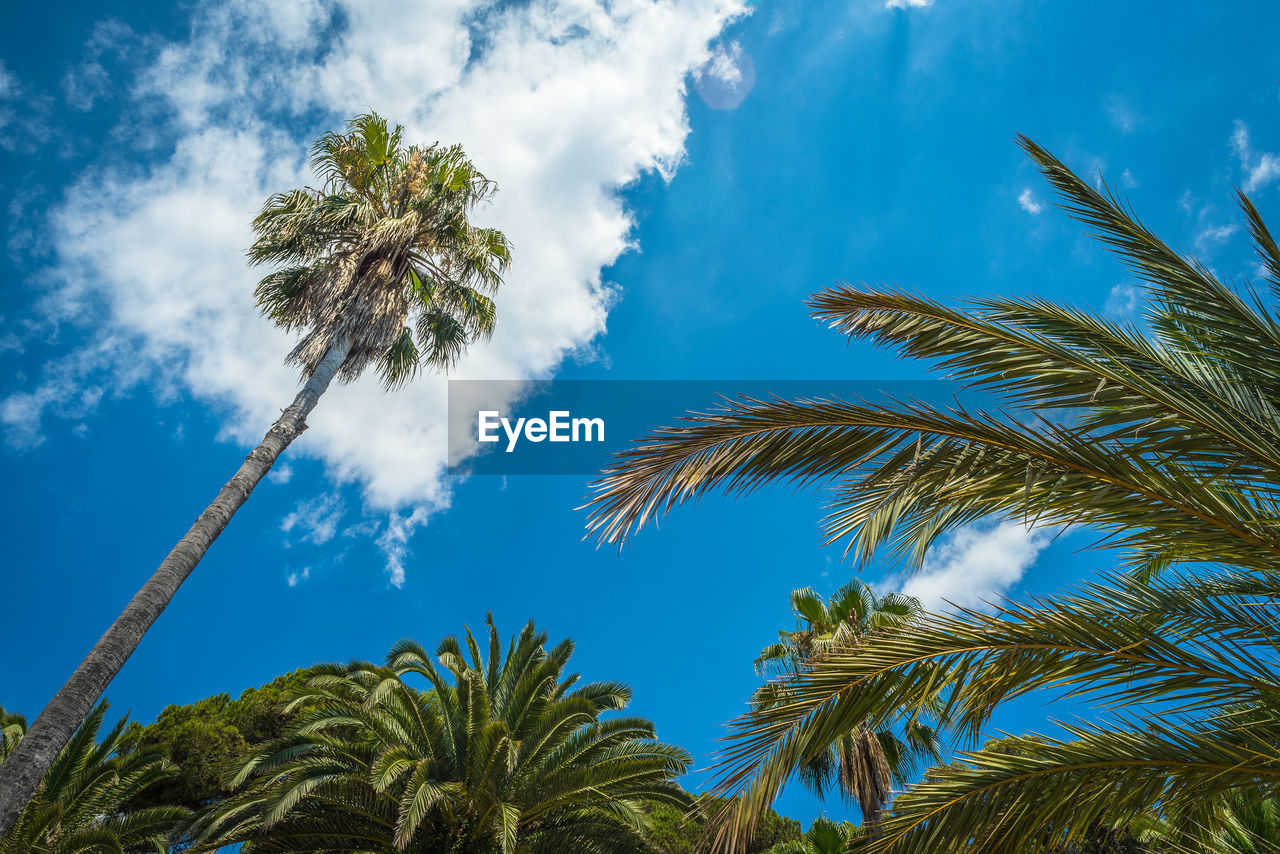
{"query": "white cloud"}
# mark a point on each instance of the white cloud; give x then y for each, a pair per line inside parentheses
(1027, 199)
(1210, 236)
(1127, 180)
(281, 473)
(1122, 114)
(394, 542)
(90, 79)
(975, 565)
(562, 102)
(24, 114)
(1123, 300)
(295, 578)
(1260, 168)
(907, 4)
(316, 519)
(726, 77)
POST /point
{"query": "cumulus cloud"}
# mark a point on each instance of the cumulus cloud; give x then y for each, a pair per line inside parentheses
(1029, 203)
(1260, 168)
(975, 565)
(562, 102)
(297, 577)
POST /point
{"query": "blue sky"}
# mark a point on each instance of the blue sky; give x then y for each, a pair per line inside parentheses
(656, 237)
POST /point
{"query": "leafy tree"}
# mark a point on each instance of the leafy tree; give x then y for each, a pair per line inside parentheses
(203, 739)
(677, 831)
(83, 804)
(499, 753)
(1164, 439)
(383, 268)
(824, 836)
(862, 763)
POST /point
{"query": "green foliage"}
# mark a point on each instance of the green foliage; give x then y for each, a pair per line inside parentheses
(824, 836)
(861, 762)
(494, 752)
(384, 260)
(678, 831)
(203, 739)
(86, 802)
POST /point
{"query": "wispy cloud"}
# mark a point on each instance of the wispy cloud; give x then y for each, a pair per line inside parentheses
(1260, 168)
(726, 77)
(1208, 237)
(1122, 114)
(562, 103)
(976, 564)
(281, 473)
(315, 520)
(298, 576)
(1029, 202)
(394, 542)
(907, 4)
(1123, 300)
(89, 80)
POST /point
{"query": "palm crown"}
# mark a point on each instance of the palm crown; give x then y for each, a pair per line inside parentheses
(383, 261)
(863, 762)
(824, 625)
(1166, 438)
(501, 753)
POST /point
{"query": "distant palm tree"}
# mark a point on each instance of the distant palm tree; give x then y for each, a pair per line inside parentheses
(383, 268)
(863, 764)
(499, 753)
(1166, 439)
(824, 836)
(83, 802)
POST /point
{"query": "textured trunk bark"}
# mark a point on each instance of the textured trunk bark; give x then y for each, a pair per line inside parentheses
(26, 766)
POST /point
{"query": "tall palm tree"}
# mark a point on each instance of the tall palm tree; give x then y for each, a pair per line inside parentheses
(863, 763)
(1166, 439)
(382, 268)
(824, 836)
(83, 802)
(497, 753)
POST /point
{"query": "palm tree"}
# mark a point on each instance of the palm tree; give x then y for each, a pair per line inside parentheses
(1165, 439)
(824, 836)
(383, 268)
(83, 803)
(863, 763)
(497, 753)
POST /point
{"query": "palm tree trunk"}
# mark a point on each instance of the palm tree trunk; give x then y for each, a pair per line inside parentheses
(27, 764)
